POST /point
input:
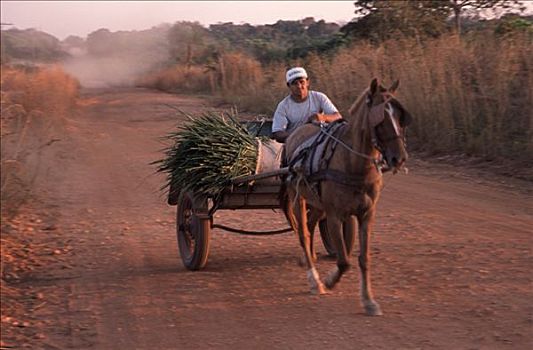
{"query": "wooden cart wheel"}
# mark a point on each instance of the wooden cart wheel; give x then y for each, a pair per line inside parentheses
(193, 233)
(348, 229)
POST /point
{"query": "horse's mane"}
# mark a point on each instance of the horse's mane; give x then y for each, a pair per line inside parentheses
(358, 111)
(358, 119)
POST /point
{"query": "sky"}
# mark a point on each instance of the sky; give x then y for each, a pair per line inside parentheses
(64, 18)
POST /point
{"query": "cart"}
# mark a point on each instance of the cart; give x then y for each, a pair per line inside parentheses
(195, 213)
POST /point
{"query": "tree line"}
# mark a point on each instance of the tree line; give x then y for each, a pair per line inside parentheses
(191, 43)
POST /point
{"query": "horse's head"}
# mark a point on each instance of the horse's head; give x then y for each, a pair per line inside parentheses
(388, 121)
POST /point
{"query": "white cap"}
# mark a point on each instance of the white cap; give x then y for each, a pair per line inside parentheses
(295, 73)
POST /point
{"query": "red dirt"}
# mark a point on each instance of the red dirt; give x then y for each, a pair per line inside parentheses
(451, 256)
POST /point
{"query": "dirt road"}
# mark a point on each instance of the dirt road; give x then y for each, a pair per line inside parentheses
(451, 255)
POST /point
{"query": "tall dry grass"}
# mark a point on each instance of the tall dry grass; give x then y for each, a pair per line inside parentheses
(235, 78)
(243, 82)
(231, 74)
(48, 90)
(471, 95)
(34, 102)
(178, 78)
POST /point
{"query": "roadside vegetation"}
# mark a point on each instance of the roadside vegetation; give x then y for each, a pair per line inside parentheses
(467, 81)
(34, 102)
(469, 95)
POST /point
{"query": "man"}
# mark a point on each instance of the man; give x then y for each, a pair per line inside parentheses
(301, 106)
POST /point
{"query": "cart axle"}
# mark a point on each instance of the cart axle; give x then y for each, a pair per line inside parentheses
(252, 233)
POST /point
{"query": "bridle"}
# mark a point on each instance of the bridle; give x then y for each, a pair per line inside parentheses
(377, 115)
(377, 161)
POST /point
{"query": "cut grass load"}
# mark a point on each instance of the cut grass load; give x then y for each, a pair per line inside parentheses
(206, 153)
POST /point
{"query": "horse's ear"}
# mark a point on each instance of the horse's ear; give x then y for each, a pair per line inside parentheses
(394, 86)
(373, 86)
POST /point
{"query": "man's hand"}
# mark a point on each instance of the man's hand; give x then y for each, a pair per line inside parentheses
(321, 117)
(315, 118)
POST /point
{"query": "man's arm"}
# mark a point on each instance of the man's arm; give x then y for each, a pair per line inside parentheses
(328, 112)
(327, 118)
(280, 136)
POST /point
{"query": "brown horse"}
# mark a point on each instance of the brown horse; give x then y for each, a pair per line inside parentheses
(351, 183)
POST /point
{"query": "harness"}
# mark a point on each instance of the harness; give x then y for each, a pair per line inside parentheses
(311, 160)
(315, 153)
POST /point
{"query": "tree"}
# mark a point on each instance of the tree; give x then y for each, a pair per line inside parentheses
(460, 6)
(427, 16)
(30, 44)
(322, 29)
(189, 35)
(100, 42)
(383, 18)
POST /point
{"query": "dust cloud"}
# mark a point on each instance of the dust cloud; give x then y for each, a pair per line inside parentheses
(113, 71)
(117, 59)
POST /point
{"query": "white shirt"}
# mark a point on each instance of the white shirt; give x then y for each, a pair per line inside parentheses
(290, 114)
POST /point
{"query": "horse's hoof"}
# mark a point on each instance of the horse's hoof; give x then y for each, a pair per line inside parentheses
(319, 290)
(373, 309)
(332, 279)
(330, 283)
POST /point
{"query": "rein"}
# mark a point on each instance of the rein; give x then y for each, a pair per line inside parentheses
(375, 161)
(339, 177)
(339, 141)
(357, 180)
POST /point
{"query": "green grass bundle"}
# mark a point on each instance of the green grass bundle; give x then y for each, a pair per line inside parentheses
(207, 153)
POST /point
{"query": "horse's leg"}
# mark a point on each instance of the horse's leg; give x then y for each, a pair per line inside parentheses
(366, 222)
(343, 264)
(303, 232)
(288, 208)
(312, 220)
(313, 216)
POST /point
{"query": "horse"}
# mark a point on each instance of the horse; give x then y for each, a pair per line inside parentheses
(373, 135)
